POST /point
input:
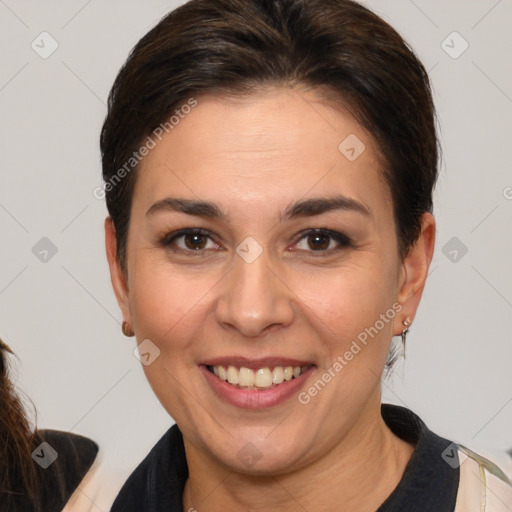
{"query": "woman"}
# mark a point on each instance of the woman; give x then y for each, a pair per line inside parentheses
(269, 168)
(42, 470)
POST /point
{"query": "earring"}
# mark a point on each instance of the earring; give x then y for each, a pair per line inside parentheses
(127, 330)
(406, 322)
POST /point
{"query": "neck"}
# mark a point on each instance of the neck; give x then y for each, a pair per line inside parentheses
(357, 474)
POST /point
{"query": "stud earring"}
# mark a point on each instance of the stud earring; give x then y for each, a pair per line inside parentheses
(407, 323)
(127, 330)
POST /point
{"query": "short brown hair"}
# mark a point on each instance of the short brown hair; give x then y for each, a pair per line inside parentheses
(239, 46)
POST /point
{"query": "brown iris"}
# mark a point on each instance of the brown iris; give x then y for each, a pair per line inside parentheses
(194, 238)
(320, 241)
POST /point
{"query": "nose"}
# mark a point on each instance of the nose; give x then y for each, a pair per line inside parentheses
(254, 299)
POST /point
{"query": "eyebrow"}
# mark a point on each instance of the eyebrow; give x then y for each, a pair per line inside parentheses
(305, 208)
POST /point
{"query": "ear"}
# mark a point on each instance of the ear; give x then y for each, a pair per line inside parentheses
(414, 272)
(117, 276)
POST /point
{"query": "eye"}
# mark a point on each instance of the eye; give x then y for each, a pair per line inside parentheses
(189, 240)
(196, 240)
(323, 240)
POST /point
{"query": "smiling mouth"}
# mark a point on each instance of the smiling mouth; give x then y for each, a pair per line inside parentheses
(259, 379)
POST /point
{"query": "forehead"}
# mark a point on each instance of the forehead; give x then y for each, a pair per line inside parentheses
(264, 149)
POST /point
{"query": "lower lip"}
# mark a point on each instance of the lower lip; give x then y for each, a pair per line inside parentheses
(255, 398)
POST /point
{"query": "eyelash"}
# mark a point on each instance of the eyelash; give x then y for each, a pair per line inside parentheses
(344, 241)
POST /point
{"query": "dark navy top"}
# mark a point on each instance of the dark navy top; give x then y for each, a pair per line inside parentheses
(429, 483)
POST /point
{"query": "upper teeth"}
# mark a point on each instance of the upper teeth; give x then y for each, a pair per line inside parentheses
(262, 378)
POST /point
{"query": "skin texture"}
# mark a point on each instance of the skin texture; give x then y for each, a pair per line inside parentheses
(253, 157)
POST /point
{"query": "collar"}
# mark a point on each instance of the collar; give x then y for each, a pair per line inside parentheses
(428, 483)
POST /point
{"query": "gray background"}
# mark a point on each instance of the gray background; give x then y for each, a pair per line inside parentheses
(60, 315)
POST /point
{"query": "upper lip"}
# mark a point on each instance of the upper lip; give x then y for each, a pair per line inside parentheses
(255, 364)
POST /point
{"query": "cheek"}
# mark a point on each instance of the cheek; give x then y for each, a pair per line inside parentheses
(348, 300)
(168, 307)
(170, 311)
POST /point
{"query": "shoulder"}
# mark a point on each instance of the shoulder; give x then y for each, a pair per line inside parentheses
(76, 452)
(64, 459)
(443, 475)
(165, 463)
(483, 486)
(86, 494)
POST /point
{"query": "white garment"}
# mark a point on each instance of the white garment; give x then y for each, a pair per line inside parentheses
(483, 487)
(97, 490)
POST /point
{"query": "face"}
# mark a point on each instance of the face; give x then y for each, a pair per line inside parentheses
(292, 263)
